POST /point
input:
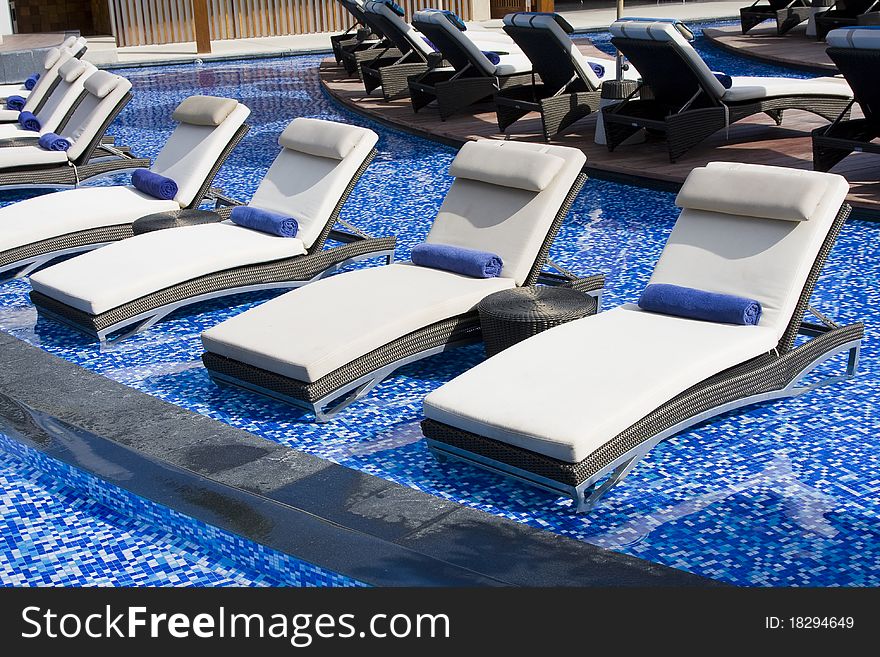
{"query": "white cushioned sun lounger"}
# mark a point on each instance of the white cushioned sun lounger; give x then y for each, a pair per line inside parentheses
(35, 231)
(31, 166)
(568, 88)
(323, 347)
(59, 105)
(689, 103)
(466, 75)
(52, 62)
(626, 379)
(138, 281)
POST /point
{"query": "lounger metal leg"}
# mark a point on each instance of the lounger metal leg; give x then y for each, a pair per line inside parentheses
(588, 497)
(25, 268)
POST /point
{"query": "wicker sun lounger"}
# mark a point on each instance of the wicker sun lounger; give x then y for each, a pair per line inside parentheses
(325, 346)
(58, 108)
(857, 55)
(88, 157)
(36, 231)
(568, 88)
(463, 74)
(358, 37)
(52, 62)
(847, 13)
(786, 13)
(627, 379)
(137, 282)
(688, 103)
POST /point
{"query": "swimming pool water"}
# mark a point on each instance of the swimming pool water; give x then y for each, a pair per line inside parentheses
(779, 494)
(65, 527)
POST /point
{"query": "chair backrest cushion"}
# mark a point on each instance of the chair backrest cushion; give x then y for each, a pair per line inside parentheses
(71, 86)
(204, 110)
(306, 184)
(58, 57)
(860, 38)
(456, 46)
(731, 249)
(105, 91)
(544, 39)
(488, 212)
(401, 33)
(192, 151)
(665, 32)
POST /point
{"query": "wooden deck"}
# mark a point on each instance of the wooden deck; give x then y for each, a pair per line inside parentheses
(762, 42)
(757, 140)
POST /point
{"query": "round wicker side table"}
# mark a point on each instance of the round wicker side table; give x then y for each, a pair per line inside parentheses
(174, 219)
(510, 316)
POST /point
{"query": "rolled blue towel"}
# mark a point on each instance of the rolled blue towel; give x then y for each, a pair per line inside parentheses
(29, 121)
(469, 262)
(454, 19)
(15, 103)
(598, 69)
(52, 142)
(698, 304)
(430, 44)
(725, 80)
(154, 184)
(492, 57)
(31, 81)
(265, 221)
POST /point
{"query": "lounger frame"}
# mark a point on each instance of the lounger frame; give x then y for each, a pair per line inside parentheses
(834, 142)
(26, 259)
(98, 159)
(778, 374)
(335, 391)
(141, 313)
(787, 14)
(686, 125)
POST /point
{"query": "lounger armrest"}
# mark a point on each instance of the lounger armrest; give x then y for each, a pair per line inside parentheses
(221, 201)
(587, 284)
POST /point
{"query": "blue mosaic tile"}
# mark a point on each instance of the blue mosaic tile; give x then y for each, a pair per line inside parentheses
(60, 526)
(777, 494)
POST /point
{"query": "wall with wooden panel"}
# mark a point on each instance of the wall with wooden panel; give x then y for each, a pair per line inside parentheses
(142, 22)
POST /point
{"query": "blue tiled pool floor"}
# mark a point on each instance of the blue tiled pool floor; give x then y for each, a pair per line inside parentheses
(781, 494)
(64, 527)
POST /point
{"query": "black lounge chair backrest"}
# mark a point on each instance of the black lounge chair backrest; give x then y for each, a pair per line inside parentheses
(852, 8)
(676, 74)
(859, 64)
(540, 36)
(356, 9)
(437, 27)
(381, 14)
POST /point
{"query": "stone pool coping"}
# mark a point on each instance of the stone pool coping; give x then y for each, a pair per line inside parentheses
(352, 523)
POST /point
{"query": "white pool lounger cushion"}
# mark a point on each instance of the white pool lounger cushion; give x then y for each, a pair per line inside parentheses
(124, 271)
(109, 277)
(609, 371)
(313, 331)
(309, 333)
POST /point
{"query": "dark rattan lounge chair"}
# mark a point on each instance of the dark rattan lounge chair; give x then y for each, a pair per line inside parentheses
(88, 157)
(408, 57)
(568, 87)
(325, 346)
(135, 283)
(466, 75)
(847, 13)
(688, 103)
(627, 379)
(36, 231)
(857, 55)
(368, 43)
(786, 13)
